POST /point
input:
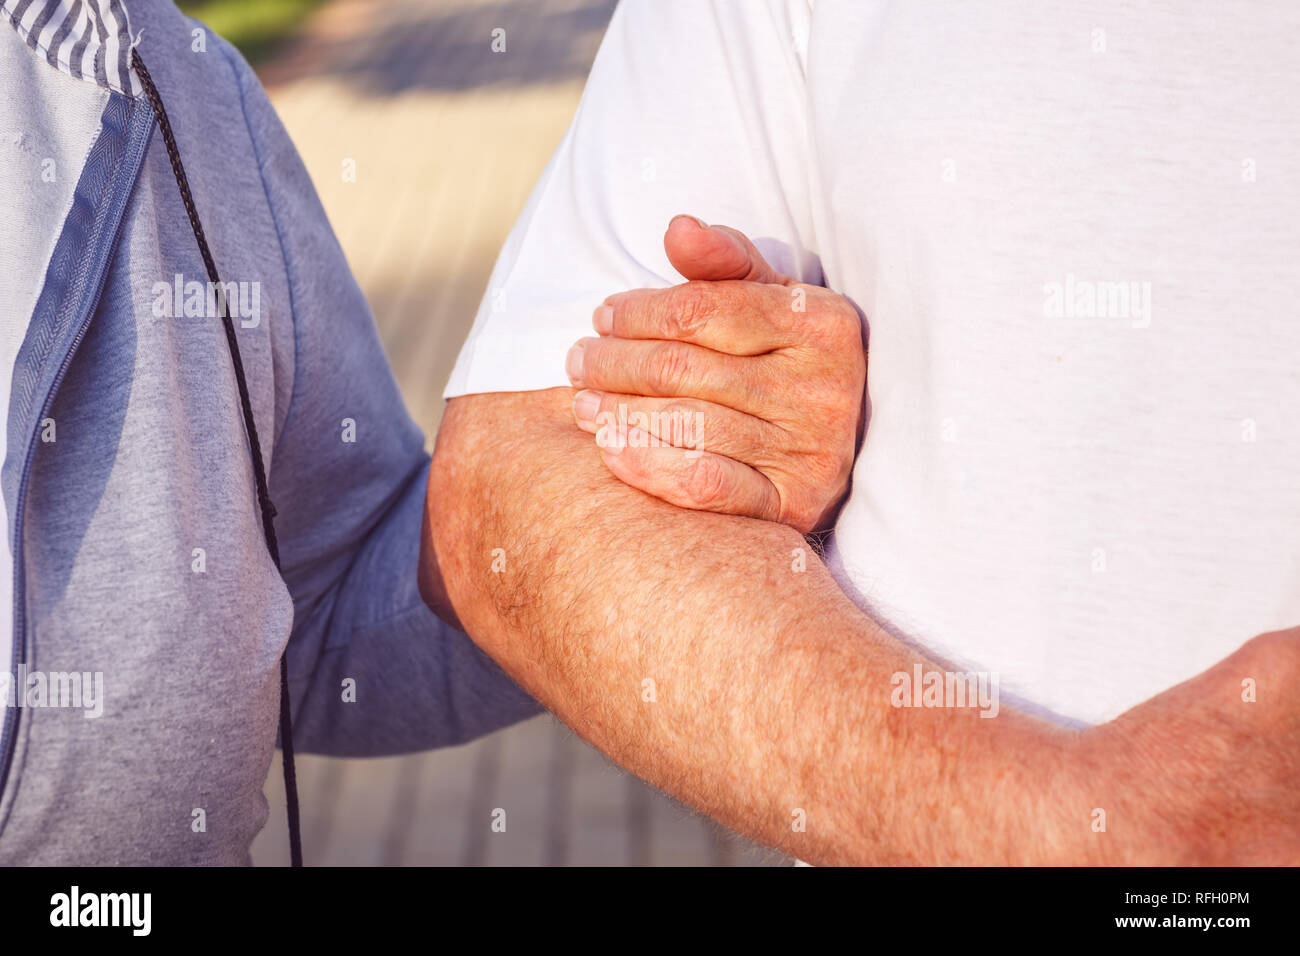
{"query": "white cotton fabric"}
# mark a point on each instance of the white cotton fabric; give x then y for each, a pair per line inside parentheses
(1074, 232)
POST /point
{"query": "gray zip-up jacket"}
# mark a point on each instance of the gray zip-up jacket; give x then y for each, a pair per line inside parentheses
(134, 526)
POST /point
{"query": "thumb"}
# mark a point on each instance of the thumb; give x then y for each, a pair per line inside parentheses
(703, 252)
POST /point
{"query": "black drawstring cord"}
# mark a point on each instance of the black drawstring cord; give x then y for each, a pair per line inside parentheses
(259, 473)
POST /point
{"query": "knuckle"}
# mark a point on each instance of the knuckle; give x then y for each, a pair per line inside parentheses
(834, 315)
(706, 482)
(786, 309)
(667, 368)
(833, 334)
(691, 307)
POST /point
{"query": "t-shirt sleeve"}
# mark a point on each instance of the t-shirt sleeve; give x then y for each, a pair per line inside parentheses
(690, 107)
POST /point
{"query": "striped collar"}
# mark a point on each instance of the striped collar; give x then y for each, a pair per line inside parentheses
(87, 39)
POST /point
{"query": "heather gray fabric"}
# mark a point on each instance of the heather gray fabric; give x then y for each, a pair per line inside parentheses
(149, 464)
(41, 152)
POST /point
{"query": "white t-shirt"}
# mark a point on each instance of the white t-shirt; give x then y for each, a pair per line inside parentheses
(1075, 233)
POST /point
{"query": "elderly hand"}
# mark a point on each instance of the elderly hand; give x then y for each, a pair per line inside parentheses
(739, 391)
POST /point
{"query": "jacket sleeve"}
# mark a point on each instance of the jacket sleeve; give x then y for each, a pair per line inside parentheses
(372, 670)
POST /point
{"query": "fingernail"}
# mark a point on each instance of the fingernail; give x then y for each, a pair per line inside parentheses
(695, 219)
(573, 364)
(585, 405)
(603, 319)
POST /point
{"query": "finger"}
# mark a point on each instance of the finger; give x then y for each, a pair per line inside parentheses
(740, 318)
(700, 251)
(668, 370)
(685, 423)
(701, 481)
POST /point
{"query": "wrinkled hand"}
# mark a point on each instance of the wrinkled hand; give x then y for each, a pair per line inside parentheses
(739, 391)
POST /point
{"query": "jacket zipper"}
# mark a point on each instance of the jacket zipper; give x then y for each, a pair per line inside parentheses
(13, 715)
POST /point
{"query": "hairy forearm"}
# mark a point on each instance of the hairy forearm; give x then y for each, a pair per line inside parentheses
(690, 648)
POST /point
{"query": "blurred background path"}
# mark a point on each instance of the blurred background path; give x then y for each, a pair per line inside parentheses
(447, 138)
